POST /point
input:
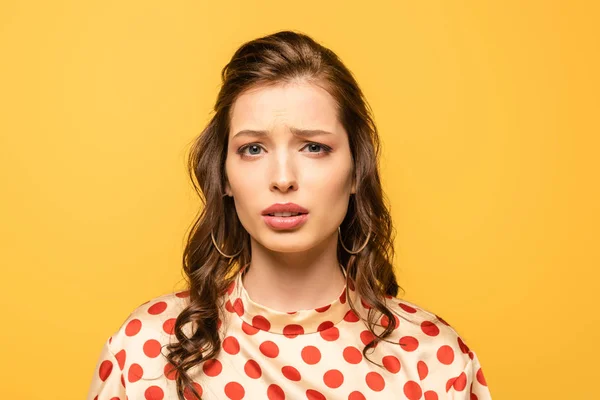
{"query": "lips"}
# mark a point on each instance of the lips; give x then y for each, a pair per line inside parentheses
(284, 208)
(285, 223)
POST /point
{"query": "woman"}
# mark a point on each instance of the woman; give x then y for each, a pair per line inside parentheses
(276, 308)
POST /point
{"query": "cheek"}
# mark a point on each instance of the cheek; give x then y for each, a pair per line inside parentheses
(247, 189)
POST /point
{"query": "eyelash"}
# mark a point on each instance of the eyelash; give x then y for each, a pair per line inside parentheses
(241, 150)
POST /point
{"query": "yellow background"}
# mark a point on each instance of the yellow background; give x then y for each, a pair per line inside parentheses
(488, 112)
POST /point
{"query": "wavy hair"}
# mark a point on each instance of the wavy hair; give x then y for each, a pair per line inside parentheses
(281, 57)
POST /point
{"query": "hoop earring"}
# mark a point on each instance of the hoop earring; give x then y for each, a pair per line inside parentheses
(361, 247)
(219, 250)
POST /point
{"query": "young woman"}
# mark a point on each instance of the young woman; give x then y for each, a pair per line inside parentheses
(292, 292)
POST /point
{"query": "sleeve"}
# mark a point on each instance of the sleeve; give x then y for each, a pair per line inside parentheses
(107, 381)
(470, 384)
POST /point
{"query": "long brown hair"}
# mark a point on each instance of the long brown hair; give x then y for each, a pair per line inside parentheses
(281, 57)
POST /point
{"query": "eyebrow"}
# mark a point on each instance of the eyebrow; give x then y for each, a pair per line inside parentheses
(295, 131)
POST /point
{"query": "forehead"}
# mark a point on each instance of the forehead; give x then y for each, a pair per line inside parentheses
(298, 104)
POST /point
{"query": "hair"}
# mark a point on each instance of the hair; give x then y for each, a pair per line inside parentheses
(279, 58)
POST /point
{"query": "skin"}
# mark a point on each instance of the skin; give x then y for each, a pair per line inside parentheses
(279, 168)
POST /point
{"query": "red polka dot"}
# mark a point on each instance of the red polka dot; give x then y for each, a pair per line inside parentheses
(343, 297)
(269, 349)
(365, 304)
(229, 306)
(274, 392)
(461, 382)
(231, 287)
(249, 329)
(105, 369)
(325, 325)
(333, 378)
(157, 308)
(449, 383)
(311, 355)
(442, 320)
(323, 309)
(133, 327)
(366, 337)
(252, 369)
(351, 316)
(231, 345)
(170, 371)
(445, 354)
(234, 391)
(169, 326)
(463, 347)
(351, 284)
(238, 306)
(152, 348)
(291, 373)
(429, 328)
(314, 395)
(356, 395)
(261, 323)
(135, 373)
(480, 377)
(407, 308)
(331, 334)
(120, 356)
(292, 330)
(408, 343)
(183, 294)
(412, 390)
(375, 381)
(422, 369)
(431, 395)
(391, 363)
(123, 381)
(154, 393)
(212, 367)
(385, 321)
(352, 355)
(187, 393)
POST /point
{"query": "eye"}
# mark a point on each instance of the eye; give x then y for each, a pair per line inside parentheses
(252, 147)
(312, 145)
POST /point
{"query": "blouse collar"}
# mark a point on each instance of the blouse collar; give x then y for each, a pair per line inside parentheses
(256, 316)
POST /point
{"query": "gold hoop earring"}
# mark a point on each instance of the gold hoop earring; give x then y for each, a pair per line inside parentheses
(361, 247)
(219, 250)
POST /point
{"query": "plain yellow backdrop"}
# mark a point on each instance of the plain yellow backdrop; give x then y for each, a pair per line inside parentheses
(488, 113)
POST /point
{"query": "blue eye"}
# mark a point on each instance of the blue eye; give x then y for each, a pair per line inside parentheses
(314, 144)
(254, 147)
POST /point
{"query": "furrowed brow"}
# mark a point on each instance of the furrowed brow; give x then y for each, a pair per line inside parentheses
(307, 133)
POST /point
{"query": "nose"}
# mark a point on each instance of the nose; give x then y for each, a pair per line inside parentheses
(283, 173)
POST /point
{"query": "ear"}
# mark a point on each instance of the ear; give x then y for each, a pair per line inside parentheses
(228, 189)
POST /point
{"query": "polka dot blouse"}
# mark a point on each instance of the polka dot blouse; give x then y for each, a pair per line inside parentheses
(308, 354)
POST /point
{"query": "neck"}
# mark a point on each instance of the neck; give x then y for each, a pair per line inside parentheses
(314, 277)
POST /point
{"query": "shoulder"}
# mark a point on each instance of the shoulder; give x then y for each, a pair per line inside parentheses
(424, 333)
(438, 354)
(141, 338)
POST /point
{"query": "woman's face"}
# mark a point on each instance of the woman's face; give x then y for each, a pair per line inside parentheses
(279, 166)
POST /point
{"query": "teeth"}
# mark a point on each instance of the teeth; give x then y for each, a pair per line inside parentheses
(284, 214)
